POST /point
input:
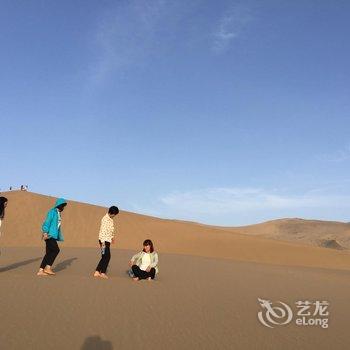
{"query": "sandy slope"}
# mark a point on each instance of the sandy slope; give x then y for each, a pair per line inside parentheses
(310, 232)
(197, 303)
(204, 298)
(26, 211)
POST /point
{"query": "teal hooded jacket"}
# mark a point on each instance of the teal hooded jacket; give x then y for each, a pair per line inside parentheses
(50, 225)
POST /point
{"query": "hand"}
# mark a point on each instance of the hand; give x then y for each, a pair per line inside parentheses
(131, 263)
(113, 240)
(45, 236)
(148, 269)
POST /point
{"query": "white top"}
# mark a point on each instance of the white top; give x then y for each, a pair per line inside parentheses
(59, 219)
(146, 261)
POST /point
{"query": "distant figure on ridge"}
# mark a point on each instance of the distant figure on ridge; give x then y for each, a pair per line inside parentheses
(3, 204)
(105, 238)
(51, 229)
(144, 265)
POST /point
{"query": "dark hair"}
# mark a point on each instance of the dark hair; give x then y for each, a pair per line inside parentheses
(113, 210)
(148, 242)
(3, 200)
(61, 206)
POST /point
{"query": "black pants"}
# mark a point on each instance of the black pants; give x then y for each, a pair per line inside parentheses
(142, 275)
(52, 251)
(106, 256)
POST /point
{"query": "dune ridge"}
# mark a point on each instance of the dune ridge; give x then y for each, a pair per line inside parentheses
(301, 231)
(27, 210)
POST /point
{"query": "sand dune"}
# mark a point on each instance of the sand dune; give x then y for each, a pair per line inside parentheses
(26, 212)
(329, 234)
(205, 297)
(196, 303)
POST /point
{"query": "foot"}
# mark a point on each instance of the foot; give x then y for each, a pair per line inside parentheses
(149, 279)
(135, 279)
(97, 274)
(49, 271)
(41, 273)
(103, 275)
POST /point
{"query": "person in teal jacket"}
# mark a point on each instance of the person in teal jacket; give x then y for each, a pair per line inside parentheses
(52, 233)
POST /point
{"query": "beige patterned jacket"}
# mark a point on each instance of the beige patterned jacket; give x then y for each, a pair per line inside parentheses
(107, 229)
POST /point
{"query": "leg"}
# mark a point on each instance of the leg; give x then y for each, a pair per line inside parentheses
(140, 274)
(152, 273)
(44, 263)
(99, 265)
(53, 251)
(103, 263)
(106, 258)
(47, 252)
(136, 270)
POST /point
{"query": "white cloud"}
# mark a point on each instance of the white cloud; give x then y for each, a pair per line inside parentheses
(234, 200)
(124, 35)
(132, 31)
(241, 206)
(230, 26)
(339, 156)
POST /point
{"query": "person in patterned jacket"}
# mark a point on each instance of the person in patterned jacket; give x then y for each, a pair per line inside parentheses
(105, 238)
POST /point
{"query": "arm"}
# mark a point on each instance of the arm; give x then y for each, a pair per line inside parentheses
(134, 257)
(102, 235)
(155, 262)
(47, 223)
(113, 234)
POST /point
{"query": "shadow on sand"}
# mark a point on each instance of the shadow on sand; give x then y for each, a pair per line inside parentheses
(96, 343)
(18, 264)
(64, 264)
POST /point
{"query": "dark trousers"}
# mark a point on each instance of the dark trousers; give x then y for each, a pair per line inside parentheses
(106, 256)
(142, 275)
(52, 251)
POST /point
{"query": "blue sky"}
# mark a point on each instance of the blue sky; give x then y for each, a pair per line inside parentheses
(222, 112)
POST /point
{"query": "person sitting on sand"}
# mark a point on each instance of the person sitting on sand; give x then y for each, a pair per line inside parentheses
(105, 238)
(144, 264)
(3, 204)
(51, 229)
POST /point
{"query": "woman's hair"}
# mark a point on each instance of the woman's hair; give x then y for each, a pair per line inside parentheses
(3, 200)
(148, 242)
(113, 210)
(61, 206)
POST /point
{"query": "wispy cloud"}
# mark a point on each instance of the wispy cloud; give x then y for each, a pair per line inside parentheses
(230, 25)
(125, 35)
(233, 206)
(233, 200)
(130, 32)
(338, 156)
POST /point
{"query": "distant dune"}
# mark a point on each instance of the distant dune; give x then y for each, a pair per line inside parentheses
(265, 243)
(329, 234)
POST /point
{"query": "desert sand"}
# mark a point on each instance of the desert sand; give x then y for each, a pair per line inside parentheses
(195, 303)
(205, 297)
(80, 225)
